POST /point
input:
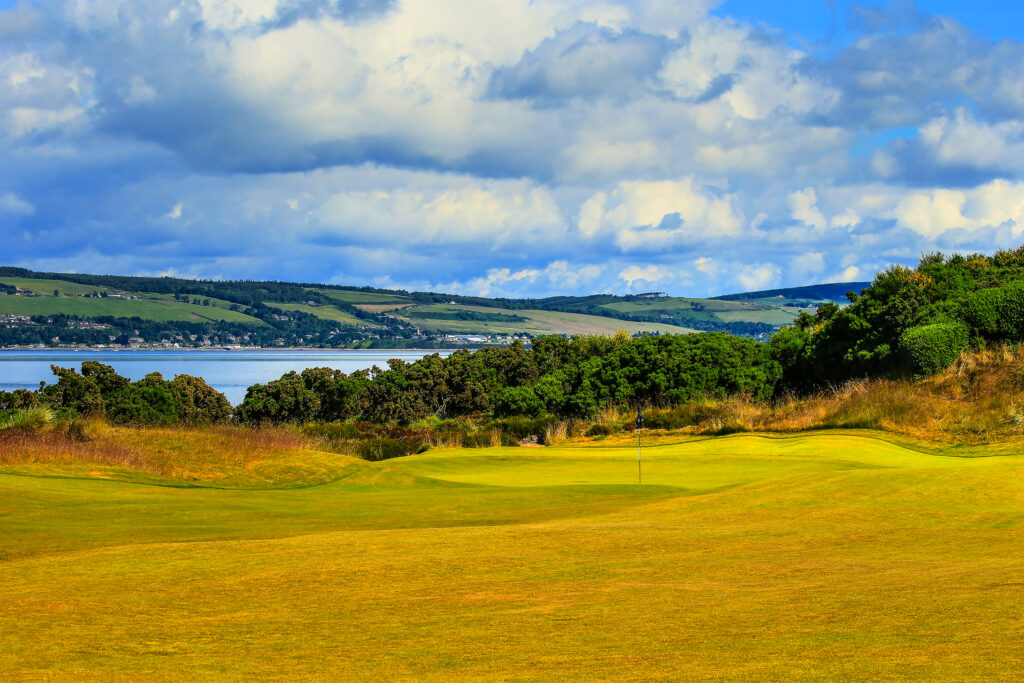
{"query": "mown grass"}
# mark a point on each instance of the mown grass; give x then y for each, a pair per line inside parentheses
(823, 556)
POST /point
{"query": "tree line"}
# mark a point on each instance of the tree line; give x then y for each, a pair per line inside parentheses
(907, 322)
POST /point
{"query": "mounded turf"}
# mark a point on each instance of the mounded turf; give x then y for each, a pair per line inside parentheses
(821, 556)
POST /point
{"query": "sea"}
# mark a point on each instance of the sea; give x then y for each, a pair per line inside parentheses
(231, 372)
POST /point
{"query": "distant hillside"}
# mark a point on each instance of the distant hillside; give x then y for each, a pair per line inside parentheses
(834, 291)
(60, 309)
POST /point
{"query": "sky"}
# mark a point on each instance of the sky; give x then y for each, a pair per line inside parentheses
(509, 147)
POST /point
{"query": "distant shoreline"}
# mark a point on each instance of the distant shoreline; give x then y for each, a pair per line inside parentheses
(103, 349)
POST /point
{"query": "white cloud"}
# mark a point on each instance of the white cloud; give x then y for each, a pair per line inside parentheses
(848, 274)
(806, 266)
(11, 203)
(636, 210)
(804, 207)
(933, 212)
(649, 274)
(757, 277)
(962, 140)
(175, 211)
(487, 212)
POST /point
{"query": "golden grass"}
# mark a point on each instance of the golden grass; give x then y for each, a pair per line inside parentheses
(820, 557)
(980, 399)
(223, 455)
(54, 447)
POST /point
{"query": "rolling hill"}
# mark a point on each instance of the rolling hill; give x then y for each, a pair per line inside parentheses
(74, 308)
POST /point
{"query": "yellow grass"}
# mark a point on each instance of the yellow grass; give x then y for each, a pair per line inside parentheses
(814, 557)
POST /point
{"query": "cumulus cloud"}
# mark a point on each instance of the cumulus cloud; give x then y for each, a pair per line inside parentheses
(757, 277)
(492, 212)
(646, 274)
(659, 215)
(513, 146)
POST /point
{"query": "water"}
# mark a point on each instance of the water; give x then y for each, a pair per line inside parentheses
(230, 372)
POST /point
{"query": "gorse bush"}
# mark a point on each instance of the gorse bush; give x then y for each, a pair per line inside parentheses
(571, 379)
(99, 391)
(928, 349)
(943, 299)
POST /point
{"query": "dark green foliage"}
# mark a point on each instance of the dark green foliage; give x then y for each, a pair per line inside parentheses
(517, 401)
(866, 339)
(927, 349)
(566, 378)
(284, 400)
(995, 314)
(147, 401)
(19, 399)
(73, 392)
(99, 390)
(196, 402)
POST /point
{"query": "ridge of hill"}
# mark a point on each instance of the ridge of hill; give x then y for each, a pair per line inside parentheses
(60, 309)
(829, 291)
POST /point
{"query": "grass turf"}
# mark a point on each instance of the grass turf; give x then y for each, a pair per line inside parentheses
(745, 557)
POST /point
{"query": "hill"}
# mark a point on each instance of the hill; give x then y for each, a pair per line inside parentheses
(833, 291)
(60, 309)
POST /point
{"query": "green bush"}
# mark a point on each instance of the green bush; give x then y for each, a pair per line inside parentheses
(995, 314)
(928, 349)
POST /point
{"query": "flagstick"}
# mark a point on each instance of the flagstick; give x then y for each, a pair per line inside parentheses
(639, 459)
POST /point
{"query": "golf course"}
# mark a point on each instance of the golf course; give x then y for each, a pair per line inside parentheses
(844, 555)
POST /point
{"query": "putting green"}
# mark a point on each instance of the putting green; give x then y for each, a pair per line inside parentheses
(821, 557)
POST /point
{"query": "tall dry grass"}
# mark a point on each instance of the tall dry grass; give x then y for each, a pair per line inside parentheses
(980, 398)
(51, 447)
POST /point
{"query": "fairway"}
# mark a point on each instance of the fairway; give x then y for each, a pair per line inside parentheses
(818, 556)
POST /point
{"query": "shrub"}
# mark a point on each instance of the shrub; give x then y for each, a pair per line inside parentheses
(995, 314)
(928, 349)
(197, 402)
(517, 401)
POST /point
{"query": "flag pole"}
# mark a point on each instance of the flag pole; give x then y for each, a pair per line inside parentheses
(639, 452)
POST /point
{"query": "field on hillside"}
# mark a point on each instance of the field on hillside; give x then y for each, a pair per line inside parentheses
(159, 311)
(229, 554)
(535, 322)
(325, 312)
(772, 312)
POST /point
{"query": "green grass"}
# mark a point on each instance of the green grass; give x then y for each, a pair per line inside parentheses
(325, 312)
(159, 311)
(357, 297)
(769, 311)
(46, 287)
(822, 557)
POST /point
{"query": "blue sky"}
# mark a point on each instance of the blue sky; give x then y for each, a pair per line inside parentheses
(509, 147)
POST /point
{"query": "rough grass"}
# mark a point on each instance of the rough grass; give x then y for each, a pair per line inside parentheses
(979, 399)
(748, 557)
(223, 455)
